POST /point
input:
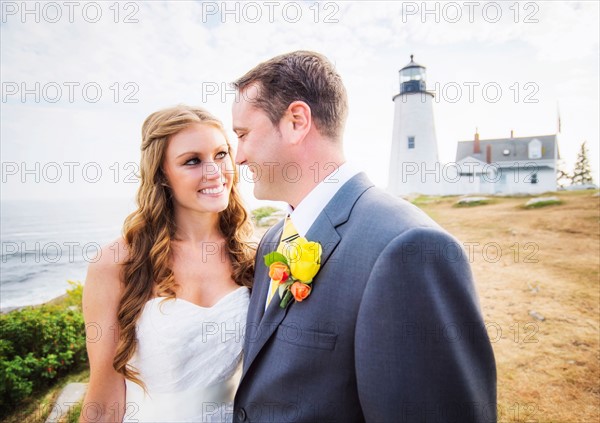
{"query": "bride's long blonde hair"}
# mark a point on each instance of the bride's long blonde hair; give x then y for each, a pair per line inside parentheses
(149, 230)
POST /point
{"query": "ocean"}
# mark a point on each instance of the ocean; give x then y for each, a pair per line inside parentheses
(45, 243)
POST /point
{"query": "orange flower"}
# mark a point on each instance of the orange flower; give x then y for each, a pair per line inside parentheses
(300, 291)
(279, 272)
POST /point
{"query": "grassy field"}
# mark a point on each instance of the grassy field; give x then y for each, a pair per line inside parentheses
(541, 262)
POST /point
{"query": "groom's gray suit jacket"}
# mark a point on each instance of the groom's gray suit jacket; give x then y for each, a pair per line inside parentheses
(392, 331)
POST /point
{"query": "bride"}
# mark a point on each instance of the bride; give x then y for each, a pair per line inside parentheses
(165, 305)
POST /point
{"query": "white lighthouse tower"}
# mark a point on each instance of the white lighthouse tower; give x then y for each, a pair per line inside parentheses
(414, 166)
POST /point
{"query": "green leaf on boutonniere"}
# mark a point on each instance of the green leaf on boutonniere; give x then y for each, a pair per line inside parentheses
(275, 257)
(286, 299)
(284, 286)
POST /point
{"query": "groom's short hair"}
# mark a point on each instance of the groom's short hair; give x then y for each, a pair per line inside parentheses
(300, 75)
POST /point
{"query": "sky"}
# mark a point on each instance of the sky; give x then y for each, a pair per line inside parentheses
(79, 78)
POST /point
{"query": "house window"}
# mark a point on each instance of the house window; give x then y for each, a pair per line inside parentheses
(534, 178)
(411, 142)
(534, 149)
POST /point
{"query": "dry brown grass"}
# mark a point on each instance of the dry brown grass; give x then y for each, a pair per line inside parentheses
(548, 371)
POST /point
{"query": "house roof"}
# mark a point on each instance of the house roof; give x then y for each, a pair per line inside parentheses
(516, 148)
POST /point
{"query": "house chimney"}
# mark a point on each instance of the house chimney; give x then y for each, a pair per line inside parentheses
(511, 133)
(476, 145)
(488, 154)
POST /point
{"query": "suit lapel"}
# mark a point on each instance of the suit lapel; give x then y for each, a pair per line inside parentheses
(264, 330)
(256, 308)
(323, 231)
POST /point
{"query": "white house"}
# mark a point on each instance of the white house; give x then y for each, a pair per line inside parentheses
(523, 165)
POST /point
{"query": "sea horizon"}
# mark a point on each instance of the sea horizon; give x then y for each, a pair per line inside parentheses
(47, 242)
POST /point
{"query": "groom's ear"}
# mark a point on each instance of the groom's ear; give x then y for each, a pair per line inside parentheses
(296, 122)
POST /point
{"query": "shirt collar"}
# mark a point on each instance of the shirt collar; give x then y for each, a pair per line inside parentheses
(305, 214)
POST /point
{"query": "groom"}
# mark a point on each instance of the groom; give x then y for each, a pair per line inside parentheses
(391, 329)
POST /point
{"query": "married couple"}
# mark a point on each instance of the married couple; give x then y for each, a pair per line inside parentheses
(355, 307)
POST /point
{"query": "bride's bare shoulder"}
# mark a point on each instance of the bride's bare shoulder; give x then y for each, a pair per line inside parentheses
(112, 255)
(105, 269)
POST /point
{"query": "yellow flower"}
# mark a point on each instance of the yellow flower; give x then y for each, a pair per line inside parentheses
(304, 258)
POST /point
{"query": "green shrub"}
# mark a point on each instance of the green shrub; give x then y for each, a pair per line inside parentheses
(73, 415)
(39, 344)
(261, 212)
(472, 202)
(422, 200)
(74, 294)
(536, 203)
(543, 204)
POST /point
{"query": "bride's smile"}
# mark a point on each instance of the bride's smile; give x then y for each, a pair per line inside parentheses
(199, 169)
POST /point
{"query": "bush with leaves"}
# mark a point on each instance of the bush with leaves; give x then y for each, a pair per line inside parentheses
(38, 345)
(262, 212)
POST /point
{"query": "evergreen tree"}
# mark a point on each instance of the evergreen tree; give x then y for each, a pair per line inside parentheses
(582, 174)
(563, 178)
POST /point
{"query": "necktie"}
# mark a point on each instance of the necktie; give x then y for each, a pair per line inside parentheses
(288, 235)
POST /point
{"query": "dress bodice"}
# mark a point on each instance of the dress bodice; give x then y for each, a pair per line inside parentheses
(189, 357)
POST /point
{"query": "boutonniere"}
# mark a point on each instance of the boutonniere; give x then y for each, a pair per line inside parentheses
(293, 266)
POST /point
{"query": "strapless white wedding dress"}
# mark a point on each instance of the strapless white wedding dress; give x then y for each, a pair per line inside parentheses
(190, 359)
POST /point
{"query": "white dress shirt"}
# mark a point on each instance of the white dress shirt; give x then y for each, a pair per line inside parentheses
(305, 214)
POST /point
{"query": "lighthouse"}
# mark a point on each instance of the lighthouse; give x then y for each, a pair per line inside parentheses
(414, 166)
